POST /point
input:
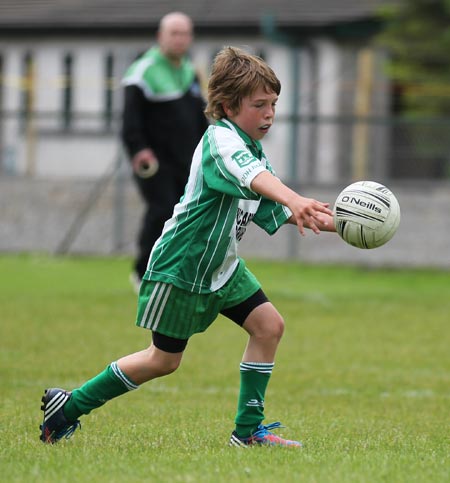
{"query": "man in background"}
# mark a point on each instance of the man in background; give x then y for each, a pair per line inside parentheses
(163, 121)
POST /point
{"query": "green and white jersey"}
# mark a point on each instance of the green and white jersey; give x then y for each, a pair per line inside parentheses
(197, 250)
(158, 79)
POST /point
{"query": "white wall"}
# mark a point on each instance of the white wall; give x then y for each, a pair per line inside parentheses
(11, 148)
(327, 105)
(89, 83)
(46, 150)
(49, 83)
(75, 156)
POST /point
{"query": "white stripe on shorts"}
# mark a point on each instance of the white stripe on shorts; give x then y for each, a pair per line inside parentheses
(155, 306)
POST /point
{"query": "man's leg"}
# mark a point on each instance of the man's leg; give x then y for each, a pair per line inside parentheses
(160, 194)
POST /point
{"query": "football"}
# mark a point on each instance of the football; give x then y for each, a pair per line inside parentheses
(366, 214)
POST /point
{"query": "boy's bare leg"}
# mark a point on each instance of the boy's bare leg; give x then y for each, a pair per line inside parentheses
(265, 327)
(149, 363)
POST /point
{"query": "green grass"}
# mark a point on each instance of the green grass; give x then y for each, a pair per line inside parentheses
(361, 377)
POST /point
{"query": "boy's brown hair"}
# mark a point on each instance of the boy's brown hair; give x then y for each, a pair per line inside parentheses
(235, 75)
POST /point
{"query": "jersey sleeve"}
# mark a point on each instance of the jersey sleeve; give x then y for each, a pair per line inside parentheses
(271, 215)
(228, 165)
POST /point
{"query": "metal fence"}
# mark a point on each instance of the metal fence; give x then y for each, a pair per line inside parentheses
(319, 150)
(380, 148)
(101, 213)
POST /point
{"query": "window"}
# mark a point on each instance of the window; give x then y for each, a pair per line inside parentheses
(109, 91)
(27, 80)
(67, 91)
(261, 53)
(2, 82)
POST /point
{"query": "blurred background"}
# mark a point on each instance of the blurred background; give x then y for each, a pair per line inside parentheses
(365, 95)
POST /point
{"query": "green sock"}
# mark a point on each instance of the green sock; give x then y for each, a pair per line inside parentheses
(254, 379)
(110, 383)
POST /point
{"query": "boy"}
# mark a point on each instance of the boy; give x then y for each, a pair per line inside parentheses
(194, 273)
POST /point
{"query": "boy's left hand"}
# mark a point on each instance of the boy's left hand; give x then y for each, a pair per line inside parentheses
(312, 214)
(306, 212)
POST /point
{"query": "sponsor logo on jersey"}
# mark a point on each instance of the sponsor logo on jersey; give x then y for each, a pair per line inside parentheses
(242, 158)
(243, 218)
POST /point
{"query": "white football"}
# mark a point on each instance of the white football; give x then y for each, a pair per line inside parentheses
(366, 214)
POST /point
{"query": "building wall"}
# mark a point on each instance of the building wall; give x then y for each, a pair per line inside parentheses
(83, 144)
(102, 218)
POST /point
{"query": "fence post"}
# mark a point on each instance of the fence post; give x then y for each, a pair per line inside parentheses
(363, 102)
(293, 149)
(119, 203)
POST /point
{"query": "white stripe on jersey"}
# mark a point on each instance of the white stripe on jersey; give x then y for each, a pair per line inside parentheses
(207, 245)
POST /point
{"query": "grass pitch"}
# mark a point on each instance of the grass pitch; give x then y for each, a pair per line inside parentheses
(361, 377)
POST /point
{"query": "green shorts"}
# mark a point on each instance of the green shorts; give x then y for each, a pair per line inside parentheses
(178, 313)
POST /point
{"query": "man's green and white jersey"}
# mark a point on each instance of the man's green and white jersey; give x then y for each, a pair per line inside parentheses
(158, 79)
(197, 250)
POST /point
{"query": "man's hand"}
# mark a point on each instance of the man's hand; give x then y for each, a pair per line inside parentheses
(145, 163)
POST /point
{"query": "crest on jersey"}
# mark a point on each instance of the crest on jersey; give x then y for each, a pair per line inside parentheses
(242, 158)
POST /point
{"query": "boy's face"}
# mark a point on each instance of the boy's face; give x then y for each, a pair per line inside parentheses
(256, 114)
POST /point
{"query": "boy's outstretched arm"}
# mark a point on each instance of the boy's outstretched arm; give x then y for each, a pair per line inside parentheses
(306, 212)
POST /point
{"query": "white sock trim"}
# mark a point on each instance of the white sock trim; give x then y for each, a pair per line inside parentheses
(262, 367)
(120, 375)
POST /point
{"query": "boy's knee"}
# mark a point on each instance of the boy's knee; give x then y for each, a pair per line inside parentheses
(162, 363)
(270, 330)
(278, 327)
(167, 368)
(173, 366)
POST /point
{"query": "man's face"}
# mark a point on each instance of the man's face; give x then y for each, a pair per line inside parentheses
(175, 37)
(256, 113)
